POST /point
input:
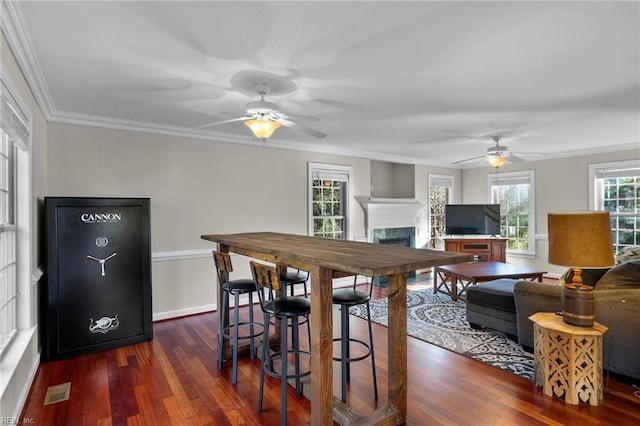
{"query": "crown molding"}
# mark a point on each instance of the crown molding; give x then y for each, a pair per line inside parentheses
(127, 125)
(14, 31)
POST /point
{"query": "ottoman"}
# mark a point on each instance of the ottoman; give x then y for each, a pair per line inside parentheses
(491, 304)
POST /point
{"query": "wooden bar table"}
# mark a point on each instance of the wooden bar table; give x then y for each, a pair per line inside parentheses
(324, 258)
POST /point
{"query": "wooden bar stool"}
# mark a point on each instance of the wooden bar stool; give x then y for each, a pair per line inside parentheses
(231, 331)
(288, 310)
(347, 297)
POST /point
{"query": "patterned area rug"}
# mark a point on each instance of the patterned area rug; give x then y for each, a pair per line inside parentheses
(438, 320)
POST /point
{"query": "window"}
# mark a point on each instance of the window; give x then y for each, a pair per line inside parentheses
(440, 194)
(515, 194)
(615, 187)
(8, 282)
(15, 249)
(329, 188)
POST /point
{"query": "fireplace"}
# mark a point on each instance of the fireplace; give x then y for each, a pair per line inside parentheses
(398, 241)
(403, 237)
(390, 217)
(391, 221)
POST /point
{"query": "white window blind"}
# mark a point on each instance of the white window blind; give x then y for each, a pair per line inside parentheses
(12, 120)
(443, 182)
(614, 172)
(320, 174)
(510, 180)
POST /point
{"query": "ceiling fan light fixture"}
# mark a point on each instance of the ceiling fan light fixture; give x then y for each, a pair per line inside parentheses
(496, 160)
(262, 128)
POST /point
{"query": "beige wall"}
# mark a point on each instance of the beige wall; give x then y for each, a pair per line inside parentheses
(196, 187)
(561, 184)
(392, 180)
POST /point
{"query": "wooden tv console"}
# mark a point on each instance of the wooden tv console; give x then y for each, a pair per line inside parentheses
(485, 249)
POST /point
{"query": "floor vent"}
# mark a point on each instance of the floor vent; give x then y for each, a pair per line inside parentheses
(57, 393)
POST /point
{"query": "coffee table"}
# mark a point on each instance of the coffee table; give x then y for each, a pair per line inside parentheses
(475, 272)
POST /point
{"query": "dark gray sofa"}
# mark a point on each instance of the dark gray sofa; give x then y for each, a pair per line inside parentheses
(617, 304)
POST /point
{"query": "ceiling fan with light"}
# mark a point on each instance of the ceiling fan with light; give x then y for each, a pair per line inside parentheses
(264, 118)
(497, 155)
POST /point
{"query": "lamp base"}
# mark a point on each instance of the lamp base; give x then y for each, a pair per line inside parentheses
(578, 306)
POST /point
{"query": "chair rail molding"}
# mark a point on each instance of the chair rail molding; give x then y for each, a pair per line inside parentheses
(165, 256)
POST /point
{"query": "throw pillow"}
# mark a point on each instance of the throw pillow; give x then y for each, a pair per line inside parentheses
(624, 275)
(628, 253)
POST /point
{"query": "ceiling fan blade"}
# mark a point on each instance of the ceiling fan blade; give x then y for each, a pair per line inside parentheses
(289, 116)
(531, 154)
(217, 123)
(515, 159)
(469, 159)
(301, 128)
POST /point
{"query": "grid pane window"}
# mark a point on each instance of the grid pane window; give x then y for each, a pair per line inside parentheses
(514, 212)
(5, 174)
(439, 197)
(8, 282)
(328, 206)
(620, 196)
(514, 193)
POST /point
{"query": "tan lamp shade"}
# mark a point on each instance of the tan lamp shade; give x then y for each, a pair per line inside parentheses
(580, 239)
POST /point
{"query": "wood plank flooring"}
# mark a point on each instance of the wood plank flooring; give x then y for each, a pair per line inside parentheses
(174, 380)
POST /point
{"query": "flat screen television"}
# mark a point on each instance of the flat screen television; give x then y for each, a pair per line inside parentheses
(472, 219)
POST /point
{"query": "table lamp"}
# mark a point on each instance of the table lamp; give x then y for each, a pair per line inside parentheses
(580, 240)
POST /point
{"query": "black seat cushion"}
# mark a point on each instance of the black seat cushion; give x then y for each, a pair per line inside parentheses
(240, 286)
(349, 296)
(288, 306)
(293, 278)
(494, 294)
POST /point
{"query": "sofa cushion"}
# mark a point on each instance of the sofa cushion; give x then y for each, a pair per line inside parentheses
(623, 276)
(589, 276)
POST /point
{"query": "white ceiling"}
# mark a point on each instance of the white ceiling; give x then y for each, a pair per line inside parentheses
(424, 82)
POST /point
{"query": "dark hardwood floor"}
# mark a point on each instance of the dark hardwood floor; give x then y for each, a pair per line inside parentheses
(174, 380)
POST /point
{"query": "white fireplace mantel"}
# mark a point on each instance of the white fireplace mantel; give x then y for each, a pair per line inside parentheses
(382, 213)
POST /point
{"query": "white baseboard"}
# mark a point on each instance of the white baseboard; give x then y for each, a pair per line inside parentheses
(160, 316)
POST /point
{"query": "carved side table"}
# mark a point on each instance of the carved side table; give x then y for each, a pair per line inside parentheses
(568, 359)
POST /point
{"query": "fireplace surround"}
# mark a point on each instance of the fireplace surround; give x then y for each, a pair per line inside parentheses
(390, 218)
(391, 221)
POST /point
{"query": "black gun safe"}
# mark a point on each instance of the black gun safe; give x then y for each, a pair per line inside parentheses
(98, 275)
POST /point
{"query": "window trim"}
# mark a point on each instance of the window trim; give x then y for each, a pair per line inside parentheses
(26, 276)
(595, 168)
(337, 168)
(529, 175)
